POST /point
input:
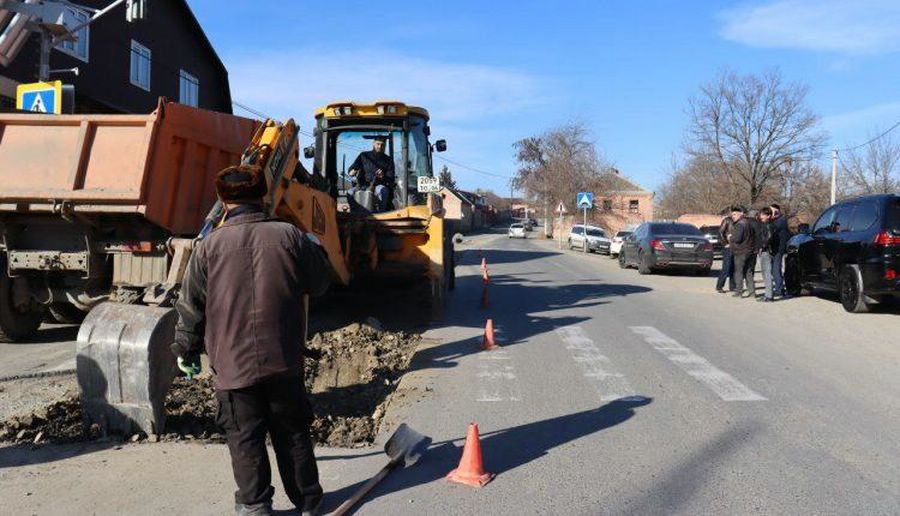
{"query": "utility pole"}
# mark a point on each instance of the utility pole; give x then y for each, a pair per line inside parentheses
(834, 163)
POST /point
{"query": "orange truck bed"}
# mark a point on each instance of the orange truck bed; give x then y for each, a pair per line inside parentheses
(160, 166)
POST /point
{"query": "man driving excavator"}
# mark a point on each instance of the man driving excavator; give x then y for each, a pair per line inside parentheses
(243, 296)
(373, 170)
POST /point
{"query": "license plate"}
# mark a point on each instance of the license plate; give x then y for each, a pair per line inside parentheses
(428, 184)
(681, 245)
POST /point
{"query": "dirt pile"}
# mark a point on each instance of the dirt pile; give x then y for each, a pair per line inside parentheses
(357, 368)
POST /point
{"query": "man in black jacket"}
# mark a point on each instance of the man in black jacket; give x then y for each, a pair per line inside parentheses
(243, 297)
(765, 239)
(727, 272)
(373, 170)
(781, 235)
(743, 245)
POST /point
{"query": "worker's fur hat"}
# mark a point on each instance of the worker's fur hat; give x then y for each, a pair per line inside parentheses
(241, 183)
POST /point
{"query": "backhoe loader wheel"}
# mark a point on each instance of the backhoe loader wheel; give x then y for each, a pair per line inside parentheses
(16, 325)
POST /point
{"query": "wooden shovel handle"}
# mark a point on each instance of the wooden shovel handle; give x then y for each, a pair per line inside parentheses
(364, 490)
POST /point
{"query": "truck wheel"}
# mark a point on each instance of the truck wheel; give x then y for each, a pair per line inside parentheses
(644, 265)
(852, 297)
(65, 313)
(15, 325)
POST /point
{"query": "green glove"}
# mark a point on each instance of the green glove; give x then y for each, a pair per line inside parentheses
(190, 366)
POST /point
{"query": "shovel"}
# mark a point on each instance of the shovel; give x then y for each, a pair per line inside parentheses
(406, 446)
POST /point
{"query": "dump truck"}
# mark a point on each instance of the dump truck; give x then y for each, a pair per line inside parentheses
(124, 365)
(90, 204)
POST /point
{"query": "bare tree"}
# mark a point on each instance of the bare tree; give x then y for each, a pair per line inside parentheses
(751, 126)
(875, 168)
(556, 165)
(697, 186)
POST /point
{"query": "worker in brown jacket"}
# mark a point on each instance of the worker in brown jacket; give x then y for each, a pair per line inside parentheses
(242, 296)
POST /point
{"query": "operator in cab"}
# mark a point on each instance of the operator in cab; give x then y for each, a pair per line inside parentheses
(373, 170)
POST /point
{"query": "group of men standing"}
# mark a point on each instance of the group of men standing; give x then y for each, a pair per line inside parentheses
(751, 237)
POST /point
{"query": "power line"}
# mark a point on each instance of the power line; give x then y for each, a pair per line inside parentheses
(473, 169)
(882, 135)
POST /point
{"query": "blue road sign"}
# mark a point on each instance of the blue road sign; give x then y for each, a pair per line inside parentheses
(585, 200)
(40, 97)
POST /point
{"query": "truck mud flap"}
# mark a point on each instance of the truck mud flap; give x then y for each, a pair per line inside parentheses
(125, 368)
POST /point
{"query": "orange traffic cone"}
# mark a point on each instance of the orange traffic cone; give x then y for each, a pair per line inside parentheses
(471, 467)
(484, 277)
(484, 298)
(483, 263)
(488, 342)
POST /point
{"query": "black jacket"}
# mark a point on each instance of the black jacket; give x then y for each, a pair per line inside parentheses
(781, 235)
(726, 227)
(368, 163)
(242, 296)
(743, 239)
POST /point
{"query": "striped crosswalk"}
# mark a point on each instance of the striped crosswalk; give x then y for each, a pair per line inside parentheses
(611, 384)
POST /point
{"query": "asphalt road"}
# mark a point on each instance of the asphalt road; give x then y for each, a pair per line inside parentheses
(613, 393)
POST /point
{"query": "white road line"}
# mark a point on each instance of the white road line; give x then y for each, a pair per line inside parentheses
(723, 384)
(610, 384)
(497, 377)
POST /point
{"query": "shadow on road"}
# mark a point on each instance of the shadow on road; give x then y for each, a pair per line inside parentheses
(54, 334)
(504, 450)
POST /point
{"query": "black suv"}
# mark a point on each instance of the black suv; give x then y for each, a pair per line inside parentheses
(853, 248)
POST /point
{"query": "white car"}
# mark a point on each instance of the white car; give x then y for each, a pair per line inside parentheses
(596, 239)
(517, 230)
(615, 247)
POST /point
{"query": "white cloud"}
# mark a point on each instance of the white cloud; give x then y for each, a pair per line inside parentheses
(294, 83)
(858, 27)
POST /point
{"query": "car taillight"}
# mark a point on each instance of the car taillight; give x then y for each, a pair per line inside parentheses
(885, 238)
(890, 274)
(707, 247)
(656, 244)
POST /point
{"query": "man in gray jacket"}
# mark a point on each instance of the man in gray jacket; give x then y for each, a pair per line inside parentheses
(242, 296)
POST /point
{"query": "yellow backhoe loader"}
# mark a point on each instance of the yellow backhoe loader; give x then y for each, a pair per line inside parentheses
(124, 364)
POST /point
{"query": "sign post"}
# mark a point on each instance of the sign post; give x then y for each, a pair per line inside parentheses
(561, 209)
(585, 201)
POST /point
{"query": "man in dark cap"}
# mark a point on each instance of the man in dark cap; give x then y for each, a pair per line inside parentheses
(243, 296)
(373, 170)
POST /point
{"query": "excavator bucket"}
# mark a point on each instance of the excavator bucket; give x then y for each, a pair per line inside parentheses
(125, 367)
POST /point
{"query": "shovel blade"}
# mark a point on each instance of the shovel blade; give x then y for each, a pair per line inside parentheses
(406, 444)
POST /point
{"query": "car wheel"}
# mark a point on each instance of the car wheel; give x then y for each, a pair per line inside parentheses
(644, 264)
(622, 263)
(613, 256)
(851, 289)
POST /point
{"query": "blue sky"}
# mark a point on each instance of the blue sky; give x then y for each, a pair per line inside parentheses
(492, 72)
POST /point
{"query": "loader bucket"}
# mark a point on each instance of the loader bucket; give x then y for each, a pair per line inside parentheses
(125, 367)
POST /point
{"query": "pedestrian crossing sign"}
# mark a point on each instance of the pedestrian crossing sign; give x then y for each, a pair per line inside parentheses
(585, 200)
(40, 97)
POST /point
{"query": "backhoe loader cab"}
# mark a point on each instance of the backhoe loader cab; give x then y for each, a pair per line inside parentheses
(346, 129)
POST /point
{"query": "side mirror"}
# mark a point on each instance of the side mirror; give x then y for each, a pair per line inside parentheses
(803, 229)
(309, 152)
(440, 145)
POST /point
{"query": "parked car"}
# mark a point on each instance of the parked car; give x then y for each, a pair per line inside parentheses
(666, 245)
(616, 245)
(595, 237)
(711, 233)
(853, 248)
(517, 230)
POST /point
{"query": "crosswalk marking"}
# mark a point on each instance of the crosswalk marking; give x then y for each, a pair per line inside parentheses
(723, 384)
(610, 384)
(497, 377)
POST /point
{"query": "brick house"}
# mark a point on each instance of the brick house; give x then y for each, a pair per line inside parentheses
(623, 204)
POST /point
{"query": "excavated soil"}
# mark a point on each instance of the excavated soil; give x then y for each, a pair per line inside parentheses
(349, 384)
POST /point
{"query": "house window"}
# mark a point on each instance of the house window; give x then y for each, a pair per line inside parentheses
(140, 65)
(633, 206)
(189, 89)
(78, 48)
(607, 205)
